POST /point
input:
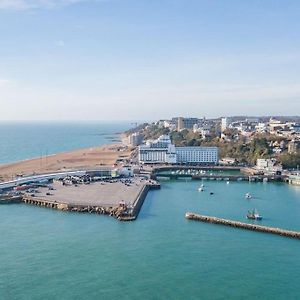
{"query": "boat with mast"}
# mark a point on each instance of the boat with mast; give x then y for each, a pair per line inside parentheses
(254, 215)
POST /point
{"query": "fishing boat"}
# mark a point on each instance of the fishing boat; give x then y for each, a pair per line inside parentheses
(248, 196)
(253, 215)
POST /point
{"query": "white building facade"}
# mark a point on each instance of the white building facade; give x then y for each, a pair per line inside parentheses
(163, 151)
(135, 139)
(269, 166)
(225, 122)
(204, 155)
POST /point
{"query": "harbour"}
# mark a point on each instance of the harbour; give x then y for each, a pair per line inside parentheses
(66, 241)
(94, 255)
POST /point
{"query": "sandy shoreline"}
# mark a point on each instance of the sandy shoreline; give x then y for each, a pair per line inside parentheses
(105, 155)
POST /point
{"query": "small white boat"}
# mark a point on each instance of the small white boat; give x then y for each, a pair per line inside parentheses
(248, 196)
(201, 188)
(227, 182)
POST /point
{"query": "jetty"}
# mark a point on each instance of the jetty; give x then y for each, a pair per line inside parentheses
(237, 224)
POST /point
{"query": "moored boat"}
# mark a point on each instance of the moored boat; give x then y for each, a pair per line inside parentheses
(254, 215)
(201, 188)
(248, 196)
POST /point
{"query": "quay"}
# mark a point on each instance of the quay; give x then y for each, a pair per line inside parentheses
(225, 177)
(236, 224)
(10, 199)
(160, 168)
(210, 173)
(121, 198)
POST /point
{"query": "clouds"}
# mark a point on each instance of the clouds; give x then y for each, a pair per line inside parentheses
(36, 4)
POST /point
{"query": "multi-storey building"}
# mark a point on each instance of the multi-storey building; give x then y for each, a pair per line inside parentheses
(205, 155)
(135, 139)
(163, 151)
(224, 124)
(158, 151)
(185, 123)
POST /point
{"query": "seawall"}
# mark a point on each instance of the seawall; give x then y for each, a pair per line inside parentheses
(253, 227)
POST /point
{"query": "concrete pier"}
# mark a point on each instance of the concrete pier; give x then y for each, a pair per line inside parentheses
(46, 203)
(253, 227)
(138, 203)
(120, 199)
(10, 199)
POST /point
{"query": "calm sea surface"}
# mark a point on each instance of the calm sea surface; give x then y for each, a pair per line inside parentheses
(20, 141)
(48, 254)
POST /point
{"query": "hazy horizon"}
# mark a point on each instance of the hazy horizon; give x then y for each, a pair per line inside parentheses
(132, 122)
(109, 60)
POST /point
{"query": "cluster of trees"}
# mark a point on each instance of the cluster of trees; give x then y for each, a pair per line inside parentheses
(153, 131)
(248, 152)
(290, 161)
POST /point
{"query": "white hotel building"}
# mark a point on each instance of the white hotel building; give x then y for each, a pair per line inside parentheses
(163, 151)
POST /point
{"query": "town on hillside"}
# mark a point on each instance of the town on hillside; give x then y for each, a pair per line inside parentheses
(268, 143)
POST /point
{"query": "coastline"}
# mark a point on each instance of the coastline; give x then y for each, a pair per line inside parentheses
(103, 155)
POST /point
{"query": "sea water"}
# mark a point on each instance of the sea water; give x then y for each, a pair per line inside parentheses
(49, 254)
(19, 141)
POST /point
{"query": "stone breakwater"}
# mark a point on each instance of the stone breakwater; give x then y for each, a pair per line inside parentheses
(114, 211)
(236, 224)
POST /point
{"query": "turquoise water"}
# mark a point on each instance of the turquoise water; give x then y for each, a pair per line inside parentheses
(27, 140)
(207, 172)
(48, 254)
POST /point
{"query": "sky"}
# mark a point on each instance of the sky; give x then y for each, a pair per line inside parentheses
(148, 59)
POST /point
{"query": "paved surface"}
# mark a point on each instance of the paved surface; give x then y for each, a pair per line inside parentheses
(94, 194)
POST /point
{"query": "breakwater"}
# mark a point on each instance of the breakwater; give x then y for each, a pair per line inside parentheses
(115, 211)
(236, 224)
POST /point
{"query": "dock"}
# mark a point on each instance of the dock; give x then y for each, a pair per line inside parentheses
(224, 177)
(10, 199)
(113, 197)
(236, 224)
